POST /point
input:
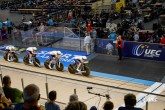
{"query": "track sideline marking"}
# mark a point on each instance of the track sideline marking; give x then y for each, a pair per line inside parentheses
(111, 76)
(142, 97)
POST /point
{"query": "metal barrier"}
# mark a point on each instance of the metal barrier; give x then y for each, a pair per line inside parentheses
(56, 37)
(65, 87)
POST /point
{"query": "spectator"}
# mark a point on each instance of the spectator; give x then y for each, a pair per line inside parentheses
(160, 32)
(87, 43)
(89, 27)
(31, 95)
(1, 25)
(51, 105)
(3, 97)
(3, 105)
(70, 15)
(136, 37)
(12, 93)
(108, 105)
(130, 102)
(9, 27)
(73, 97)
(109, 48)
(3, 33)
(162, 41)
(94, 36)
(112, 35)
(94, 33)
(51, 23)
(23, 18)
(76, 105)
(100, 33)
(41, 27)
(119, 46)
(73, 21)
(93, 108)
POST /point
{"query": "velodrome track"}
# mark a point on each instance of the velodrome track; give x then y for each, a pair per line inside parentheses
(65, 83)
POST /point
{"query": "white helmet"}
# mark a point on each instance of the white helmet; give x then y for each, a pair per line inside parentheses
(84, 57)
(59, 53)
(34, 48)
(53, 52)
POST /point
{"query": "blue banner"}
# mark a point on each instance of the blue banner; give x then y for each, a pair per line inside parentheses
(67, 55)
(140, 50)
(144, 51)
(101, 45)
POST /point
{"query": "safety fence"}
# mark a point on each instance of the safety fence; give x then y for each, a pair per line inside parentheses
(63, 37)
(90, 90)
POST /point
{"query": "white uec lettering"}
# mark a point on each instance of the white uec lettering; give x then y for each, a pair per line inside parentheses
(152, 52)
(158, 52)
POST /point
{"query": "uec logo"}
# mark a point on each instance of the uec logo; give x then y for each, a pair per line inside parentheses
(140, 49)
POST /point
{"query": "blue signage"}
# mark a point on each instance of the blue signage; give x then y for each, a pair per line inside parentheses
(144, 51)
(67, 55)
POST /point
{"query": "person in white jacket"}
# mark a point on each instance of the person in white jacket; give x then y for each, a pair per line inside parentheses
(87, 43)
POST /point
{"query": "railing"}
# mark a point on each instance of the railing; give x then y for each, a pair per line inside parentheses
(64, 37)
(151, 98)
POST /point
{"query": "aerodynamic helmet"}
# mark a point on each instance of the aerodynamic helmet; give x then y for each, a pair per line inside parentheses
(84, 57)
(34, 48)
(59, 53)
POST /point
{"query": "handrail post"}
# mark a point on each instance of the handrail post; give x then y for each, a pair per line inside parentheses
(22, 83)
(75, 91)
(146, 105)
(46, 85)
(1, 79)
(1, 75)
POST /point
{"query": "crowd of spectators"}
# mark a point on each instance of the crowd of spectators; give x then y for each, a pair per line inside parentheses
(129, 28)
(14, 99)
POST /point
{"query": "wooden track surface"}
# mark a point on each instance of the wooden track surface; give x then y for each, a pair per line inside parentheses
(65, 87)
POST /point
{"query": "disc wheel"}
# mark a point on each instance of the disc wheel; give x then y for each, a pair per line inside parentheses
(86, 71)
(71, 69)
(59, 66)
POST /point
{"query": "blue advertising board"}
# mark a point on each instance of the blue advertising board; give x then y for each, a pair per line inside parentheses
(67, 55)
(101, 44)
(144, 51)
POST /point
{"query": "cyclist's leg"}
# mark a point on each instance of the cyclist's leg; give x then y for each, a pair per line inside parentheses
(8, 55)
(30, 56)
(78, 65)
(51, 60)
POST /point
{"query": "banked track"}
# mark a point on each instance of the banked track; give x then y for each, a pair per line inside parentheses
(79, 79)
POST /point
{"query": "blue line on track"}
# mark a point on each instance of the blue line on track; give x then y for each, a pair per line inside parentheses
(111, 76)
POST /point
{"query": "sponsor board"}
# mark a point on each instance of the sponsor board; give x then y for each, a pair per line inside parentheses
(67, 55)
(144, 51)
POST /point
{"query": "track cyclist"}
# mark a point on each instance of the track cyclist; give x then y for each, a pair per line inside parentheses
(30, 51)
(53, 56)
(10, 49)
(79, 60)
